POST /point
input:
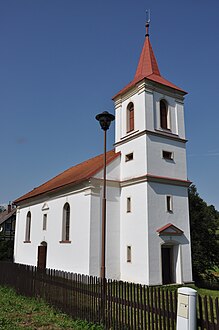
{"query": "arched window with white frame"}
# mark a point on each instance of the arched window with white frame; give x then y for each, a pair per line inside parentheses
(66, 223)
(28, 227)
(130, 117)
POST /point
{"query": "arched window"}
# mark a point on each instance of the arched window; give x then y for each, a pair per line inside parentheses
(164, 115)
(66, 222)
(130, 117)
(28, 227)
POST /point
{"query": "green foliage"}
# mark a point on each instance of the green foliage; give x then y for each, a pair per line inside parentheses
(6, 250)
(204, 223)
(2, 209)
(19, 312)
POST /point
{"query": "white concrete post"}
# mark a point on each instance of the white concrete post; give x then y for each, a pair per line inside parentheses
(186, 309)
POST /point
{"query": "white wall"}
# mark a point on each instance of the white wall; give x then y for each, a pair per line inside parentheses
(72, 256)
(159, 166)
(112, 170)
(158, 217)
(95, 234)
(121, 115)
(147, 113)
(137, 166)
(134, 233)
(113, 233)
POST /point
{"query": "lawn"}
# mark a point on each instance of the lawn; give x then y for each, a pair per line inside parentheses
(19, 312)
(202, 292)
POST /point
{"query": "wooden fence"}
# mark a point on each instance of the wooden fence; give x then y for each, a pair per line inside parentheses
(116, 304)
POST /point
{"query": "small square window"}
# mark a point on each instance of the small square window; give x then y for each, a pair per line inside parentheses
(129, 253)
(44, 221)
(167, 155)
(129, 157)
(128, 209)
(169, 204)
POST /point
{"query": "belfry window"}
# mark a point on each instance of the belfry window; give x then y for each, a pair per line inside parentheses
(130, 117)
(164, 120)
(66, 222)
(28, 227)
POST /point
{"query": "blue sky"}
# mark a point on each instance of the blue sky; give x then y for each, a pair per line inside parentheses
(63, 60)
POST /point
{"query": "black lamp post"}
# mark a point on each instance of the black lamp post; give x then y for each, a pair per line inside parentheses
(105, 119)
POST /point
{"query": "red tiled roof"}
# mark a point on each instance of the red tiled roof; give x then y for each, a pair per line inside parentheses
(73, 175)
(147, 64)
(148, 69)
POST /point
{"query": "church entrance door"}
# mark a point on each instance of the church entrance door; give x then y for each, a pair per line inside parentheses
(42, 252)
(167, 264)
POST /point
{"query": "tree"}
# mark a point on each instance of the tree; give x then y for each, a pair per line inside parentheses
(6, 250)
(2, 208)
(204, 223)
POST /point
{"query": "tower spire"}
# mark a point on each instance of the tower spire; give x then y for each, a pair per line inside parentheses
(148, 19)
(147, 64)
(147, 67)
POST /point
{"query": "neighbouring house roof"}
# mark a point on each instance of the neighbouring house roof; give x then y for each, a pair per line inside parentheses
(5, 215)
(148, 69)
(73, 175)
(169, 230)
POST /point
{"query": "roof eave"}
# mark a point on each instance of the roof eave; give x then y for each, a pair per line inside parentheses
(66, 185)
(134, 83)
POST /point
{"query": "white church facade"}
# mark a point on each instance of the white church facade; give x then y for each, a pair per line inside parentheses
(148, 237)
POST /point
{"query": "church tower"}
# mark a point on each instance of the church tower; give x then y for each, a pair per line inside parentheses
(154, 215)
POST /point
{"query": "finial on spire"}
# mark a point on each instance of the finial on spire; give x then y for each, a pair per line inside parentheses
(148, 19)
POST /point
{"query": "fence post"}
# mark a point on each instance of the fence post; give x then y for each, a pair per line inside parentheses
(186, 309)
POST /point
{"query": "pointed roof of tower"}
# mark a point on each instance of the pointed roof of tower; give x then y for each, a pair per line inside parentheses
(148, 68)
(147, 64)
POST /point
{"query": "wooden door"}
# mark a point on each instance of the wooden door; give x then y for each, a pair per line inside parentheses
(167, 264)
(41, 262)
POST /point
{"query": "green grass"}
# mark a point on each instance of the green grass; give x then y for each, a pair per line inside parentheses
(202, 292)
(207, 292)
(19, 312)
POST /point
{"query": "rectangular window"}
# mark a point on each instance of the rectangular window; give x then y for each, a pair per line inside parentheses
(129, 157)
(44, 221)
(7, 226)
(129, 253)
(167, 155)
(128, 206)
(169, 204)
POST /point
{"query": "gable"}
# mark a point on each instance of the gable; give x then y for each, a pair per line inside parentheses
(112, 170)
(169, 230)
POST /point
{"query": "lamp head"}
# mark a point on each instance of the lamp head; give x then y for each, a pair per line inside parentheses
(105, 118)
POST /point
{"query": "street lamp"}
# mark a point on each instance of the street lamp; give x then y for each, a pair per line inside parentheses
(105, 119)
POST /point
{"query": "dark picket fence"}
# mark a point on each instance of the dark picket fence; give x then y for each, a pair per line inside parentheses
(116, 304)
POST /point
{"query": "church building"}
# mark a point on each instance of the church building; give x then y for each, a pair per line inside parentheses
(58, 223)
